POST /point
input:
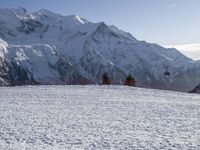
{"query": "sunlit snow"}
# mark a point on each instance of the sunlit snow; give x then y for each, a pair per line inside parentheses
(97, 117)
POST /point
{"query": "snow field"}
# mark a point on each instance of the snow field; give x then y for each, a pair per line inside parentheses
(97, 117)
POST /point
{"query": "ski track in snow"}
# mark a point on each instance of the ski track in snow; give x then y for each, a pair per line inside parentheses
(97, 117)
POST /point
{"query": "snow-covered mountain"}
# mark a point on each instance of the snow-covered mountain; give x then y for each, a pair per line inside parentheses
(47, 48)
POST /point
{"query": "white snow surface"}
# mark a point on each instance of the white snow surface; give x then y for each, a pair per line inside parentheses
(35, 58)
(97, 117)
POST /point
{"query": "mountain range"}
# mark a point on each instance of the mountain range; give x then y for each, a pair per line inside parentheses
(48, 48)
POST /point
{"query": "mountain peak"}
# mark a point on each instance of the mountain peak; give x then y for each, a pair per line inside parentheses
(78, 19)
(47, 12)
(102, 25)
(22, 13)
(20, 10)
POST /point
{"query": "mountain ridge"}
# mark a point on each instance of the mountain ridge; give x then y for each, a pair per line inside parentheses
(88, 50)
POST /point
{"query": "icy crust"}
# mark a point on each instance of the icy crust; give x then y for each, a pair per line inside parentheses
(95, 117)
(93, 48)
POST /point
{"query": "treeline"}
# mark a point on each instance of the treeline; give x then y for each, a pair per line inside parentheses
(129, 81)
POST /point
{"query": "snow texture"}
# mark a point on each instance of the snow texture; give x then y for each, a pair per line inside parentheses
(97, 117)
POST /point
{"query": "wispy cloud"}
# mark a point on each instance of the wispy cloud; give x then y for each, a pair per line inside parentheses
(190, 50)
(172, 5)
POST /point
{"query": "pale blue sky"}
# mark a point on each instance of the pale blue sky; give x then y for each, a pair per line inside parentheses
(166, 22)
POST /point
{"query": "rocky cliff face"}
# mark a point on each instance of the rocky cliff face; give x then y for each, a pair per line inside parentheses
(196, 90)
(47, 48)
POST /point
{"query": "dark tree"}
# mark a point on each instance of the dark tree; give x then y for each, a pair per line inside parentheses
(105, 79)
(130, 81)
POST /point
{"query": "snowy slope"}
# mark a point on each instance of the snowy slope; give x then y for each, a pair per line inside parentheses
(97, 117)
(90, 49)
(36, 64)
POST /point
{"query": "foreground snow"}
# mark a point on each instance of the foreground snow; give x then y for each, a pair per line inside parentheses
(97, 117)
